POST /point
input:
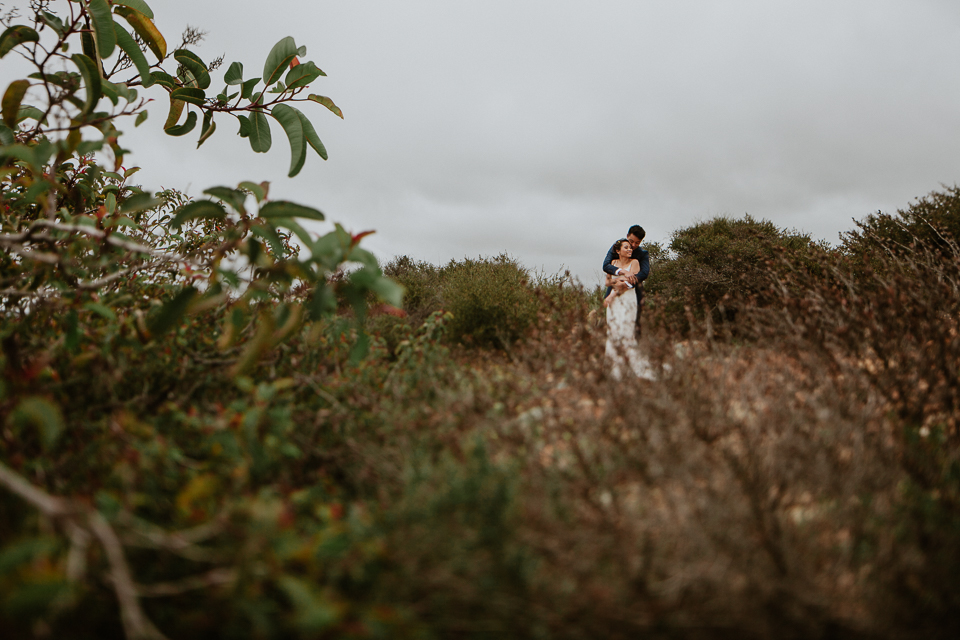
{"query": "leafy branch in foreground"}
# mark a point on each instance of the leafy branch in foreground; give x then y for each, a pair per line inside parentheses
(97, 272)
(106, 43)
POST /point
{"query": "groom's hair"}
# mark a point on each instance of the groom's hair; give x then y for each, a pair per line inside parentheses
(638, 231)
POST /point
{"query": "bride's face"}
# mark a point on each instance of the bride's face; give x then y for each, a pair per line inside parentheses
(626, 251)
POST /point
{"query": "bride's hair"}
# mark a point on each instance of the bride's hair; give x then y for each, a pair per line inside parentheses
(618, 244)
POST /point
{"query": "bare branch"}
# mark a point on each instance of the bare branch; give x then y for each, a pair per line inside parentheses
(135, 623)
(211, 578)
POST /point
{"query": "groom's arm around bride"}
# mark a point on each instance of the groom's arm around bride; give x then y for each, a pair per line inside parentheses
(634, 236)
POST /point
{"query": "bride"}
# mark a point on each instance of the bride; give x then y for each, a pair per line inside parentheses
(622, 316)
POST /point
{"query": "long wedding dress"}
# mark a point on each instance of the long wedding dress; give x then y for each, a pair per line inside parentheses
(622, 348)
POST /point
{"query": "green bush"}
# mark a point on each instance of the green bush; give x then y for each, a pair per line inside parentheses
(491, 301)
(422, 283)
(719, 260)
(932, 222)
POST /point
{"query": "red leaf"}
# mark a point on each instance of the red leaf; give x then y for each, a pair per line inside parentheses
(294, 62)
(358, 237)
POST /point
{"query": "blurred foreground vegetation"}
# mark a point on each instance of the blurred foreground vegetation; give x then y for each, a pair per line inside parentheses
(478, 473)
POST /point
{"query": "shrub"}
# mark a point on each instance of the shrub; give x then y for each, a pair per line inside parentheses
(718, 260)
(422, 283)
(931, 223)
(490, 299)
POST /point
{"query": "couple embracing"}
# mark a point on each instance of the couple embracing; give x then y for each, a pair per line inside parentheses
(626, 267)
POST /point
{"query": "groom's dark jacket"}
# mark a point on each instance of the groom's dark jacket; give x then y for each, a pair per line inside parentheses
(641, 256)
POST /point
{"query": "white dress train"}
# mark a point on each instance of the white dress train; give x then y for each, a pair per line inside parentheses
(622, 348)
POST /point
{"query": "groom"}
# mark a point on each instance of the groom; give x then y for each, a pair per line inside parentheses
(634, 237)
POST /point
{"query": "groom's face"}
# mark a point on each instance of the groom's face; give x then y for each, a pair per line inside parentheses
(633, 240)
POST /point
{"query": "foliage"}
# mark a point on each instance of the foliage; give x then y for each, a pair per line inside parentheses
(102, 66)
(197, 439)
(490, 299)
(713, 262)
(422, 285)
(930, 223)
(120, 311)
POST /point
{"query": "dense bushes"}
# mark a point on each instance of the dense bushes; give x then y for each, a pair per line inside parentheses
(720, 260)
(930, 224)
(241, 462)
(491, 300)
(801, 479)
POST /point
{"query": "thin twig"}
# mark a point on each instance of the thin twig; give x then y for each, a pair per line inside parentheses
(211, 578)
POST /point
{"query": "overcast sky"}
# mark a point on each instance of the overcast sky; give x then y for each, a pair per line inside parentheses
(545, 128)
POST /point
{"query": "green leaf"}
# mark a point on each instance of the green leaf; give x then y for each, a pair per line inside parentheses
(247, 91)
(259, 191)
(91, 81)
(269, 234)
(17, 34)
(23, 153)
(279, 57)
(311, 136)
(110, 202)
(141, 118)
(54, 23)
(209, 126)
(27, 111)
(194, 65)
(41, 413)
(184, 128)
(327, 102)
(234, 74)
(323, 301)
(260, 138)
(387, 290)
(293, 225)
(146, 30)
(88, 45)
(102, 22)
(128, 94)
(12, 97)
(199, 209)
(110, 91)
(139, 202)
(171, 313)
(302, 75)
(129, 46)
(187, 79)
(284, 209)
(164, 79)
(290, 121)
(244, 126)
(139, 5)
(187, 94)
(89, 146)
(176, 110)
(6, 135)
(234, 197)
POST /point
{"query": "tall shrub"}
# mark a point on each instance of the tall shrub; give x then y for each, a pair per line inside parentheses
(491, 301)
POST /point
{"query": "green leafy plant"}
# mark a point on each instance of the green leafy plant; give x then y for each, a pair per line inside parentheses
(110, 297)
